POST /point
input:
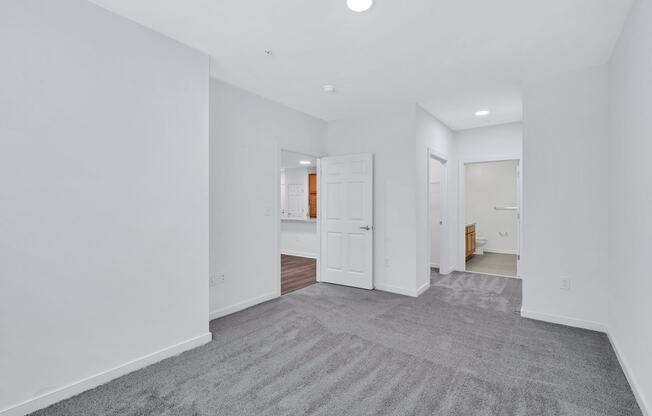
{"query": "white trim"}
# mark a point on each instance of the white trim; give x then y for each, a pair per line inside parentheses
(498, 251)
(645, 407)
(300, 254)
(423, 288)
(492, 274)
(318, 258)
(401, 290)
(451, 269)
(277, 230)
(564, 320)
(56, 395)
(218, 313)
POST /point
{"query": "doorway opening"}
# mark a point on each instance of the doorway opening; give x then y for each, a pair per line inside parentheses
(491, 217)
(437, 207)
(299, 221)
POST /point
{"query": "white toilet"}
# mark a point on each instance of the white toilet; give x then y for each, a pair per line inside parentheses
(480, 244)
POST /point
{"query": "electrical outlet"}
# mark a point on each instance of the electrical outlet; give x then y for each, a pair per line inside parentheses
(216, 278)
(565, 283)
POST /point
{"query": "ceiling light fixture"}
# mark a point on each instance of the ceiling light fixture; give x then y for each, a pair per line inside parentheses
(482, 113)
(359, 5)
(328, 88)
(304, 162)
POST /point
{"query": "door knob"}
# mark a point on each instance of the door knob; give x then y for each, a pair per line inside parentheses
(366, 227)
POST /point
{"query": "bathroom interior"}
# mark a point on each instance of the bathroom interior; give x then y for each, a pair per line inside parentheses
(491, 207)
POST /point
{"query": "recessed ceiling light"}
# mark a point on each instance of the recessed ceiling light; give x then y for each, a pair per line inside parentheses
(359, 5)
(482, 113)
(305, 162)
(328, 88)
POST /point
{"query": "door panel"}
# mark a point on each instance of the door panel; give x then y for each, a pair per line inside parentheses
(347, 220)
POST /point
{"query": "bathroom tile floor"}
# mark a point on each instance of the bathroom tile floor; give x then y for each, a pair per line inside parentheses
(493, 263)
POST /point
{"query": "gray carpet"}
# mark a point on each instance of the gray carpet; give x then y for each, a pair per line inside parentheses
(459, 349)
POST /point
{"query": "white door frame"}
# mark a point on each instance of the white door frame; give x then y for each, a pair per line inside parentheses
(277, 209)
(445, 265)
(462, 207)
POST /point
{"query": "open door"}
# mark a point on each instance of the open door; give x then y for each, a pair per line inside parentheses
(519, 189)
(347, 220)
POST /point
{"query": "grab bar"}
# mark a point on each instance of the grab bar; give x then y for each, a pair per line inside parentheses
(506, 208)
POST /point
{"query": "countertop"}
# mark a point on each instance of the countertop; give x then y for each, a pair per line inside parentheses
(308, 220)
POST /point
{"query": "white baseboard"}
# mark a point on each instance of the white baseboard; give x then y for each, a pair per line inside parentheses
(646, 409)
(435, 265)
(401, 290)
(498, 251)
(423, 288)
(228, 310)
(493, 274)
(450, 270)
(564, 320)
(72, 389)
(299, 254)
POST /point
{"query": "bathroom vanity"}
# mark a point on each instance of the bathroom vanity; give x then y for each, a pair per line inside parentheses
(470, 241)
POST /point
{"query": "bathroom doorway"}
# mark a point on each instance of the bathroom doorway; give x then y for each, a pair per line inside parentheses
(490, 213)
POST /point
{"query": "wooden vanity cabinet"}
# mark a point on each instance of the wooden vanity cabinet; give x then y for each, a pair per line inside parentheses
(470, 241)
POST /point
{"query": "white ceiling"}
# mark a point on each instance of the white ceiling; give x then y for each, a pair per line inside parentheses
(293, 160)
(451, 56)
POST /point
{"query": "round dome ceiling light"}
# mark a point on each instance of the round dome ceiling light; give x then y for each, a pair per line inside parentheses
(482, 113)
(359, 5)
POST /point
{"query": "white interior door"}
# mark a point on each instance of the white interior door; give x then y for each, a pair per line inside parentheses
(347, 220)
(435, 199)
(519, 188)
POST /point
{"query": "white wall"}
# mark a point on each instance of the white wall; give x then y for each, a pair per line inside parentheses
(504, 141)
(300, 238)
(103, 199)
(399, 141)
(434, 135)
(565, 194)
(246, 135)
(489, 185)
(390, 137)
(629, 200)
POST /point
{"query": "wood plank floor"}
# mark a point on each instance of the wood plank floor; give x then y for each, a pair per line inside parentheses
(297, 273)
